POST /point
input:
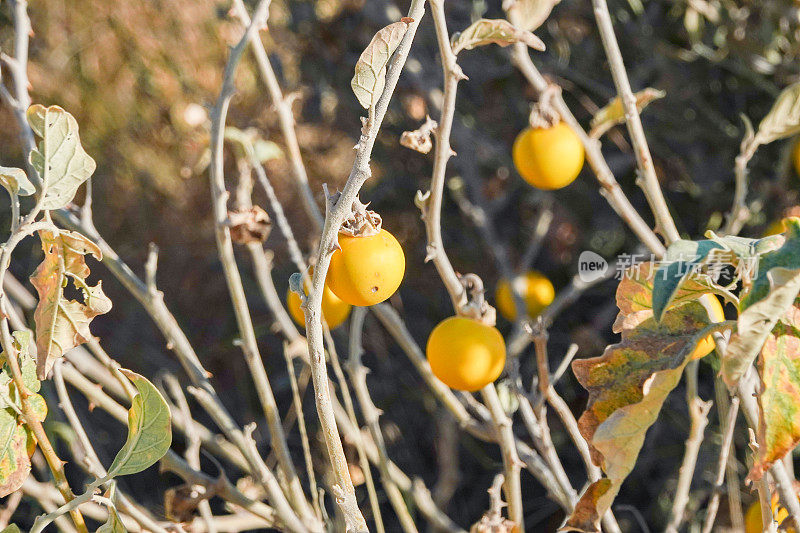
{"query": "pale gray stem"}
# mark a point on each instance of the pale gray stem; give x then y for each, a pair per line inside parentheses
(335, 216)
(648, 181)
(725, 449)
(358, 375)
(233, 279)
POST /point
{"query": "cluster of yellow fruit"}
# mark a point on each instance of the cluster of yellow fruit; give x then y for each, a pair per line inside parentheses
(752, 519)
(464, 353)
(365, 271)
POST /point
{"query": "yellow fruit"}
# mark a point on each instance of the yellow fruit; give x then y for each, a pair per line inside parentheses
(334, 311)
(466, 354)
(776, 228)
(550, 158)
(707, 344)
(367, 270)
(752, 519)
(796, 157)
(535, 289)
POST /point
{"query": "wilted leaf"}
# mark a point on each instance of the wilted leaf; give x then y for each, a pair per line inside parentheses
(15, 181)
(59, 158)
(15, 465)
(628, 385)
(783, 120)
(250, 225)
(420, 138)
(248, 139)
(62, 324)
(779, 396)
(756, 322)
(149, 430)
(494, 31)
(614, 112)
(113, 524)
(370, 73)
(772, 292)
(530, 14)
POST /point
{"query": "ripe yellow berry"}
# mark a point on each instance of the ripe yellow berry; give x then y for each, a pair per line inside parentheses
(775, 228)
(752, 519)
(535, 289)
(466, 354)
(334, 311)
(707, 344)
(796, 157)
(367, 270)
(549, 158)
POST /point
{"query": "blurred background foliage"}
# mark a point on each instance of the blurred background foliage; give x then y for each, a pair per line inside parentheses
(140, 75)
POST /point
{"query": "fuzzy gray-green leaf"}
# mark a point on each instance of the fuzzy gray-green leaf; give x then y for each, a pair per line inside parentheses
(16, 181)
(62, 163)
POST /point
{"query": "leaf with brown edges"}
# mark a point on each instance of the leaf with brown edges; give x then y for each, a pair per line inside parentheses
(628, 385)
(779, 396)
(61, 323)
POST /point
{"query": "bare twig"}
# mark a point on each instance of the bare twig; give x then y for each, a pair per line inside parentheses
(335, 216)
(358, 375)
(233, 279)
(698, 409)
(722, 463)
(648, 181)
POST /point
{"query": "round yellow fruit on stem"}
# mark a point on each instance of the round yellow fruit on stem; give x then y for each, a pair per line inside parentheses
(796, 157)
(366, 270)
(548, 158)
(707, 344)
(535, 289)
(466, 354)
(752, 519)
(334, 311)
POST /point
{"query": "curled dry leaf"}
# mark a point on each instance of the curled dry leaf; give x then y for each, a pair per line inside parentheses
(249, 225)
(494, 31)
(15, 181)
(614, 113)
(370, 72)
(361, 222)
(420, 138)
(783, 120)
(62, 163)
(61, 323)
(529, 14)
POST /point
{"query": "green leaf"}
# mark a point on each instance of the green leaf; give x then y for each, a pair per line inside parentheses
(62, 324)
(59, 158)
(15, 465)
(11, 528)
(628, 385)
(370, 72)
(149, 430)
(779, 396)
(113, 524)
(494, 31)
(15, 181)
